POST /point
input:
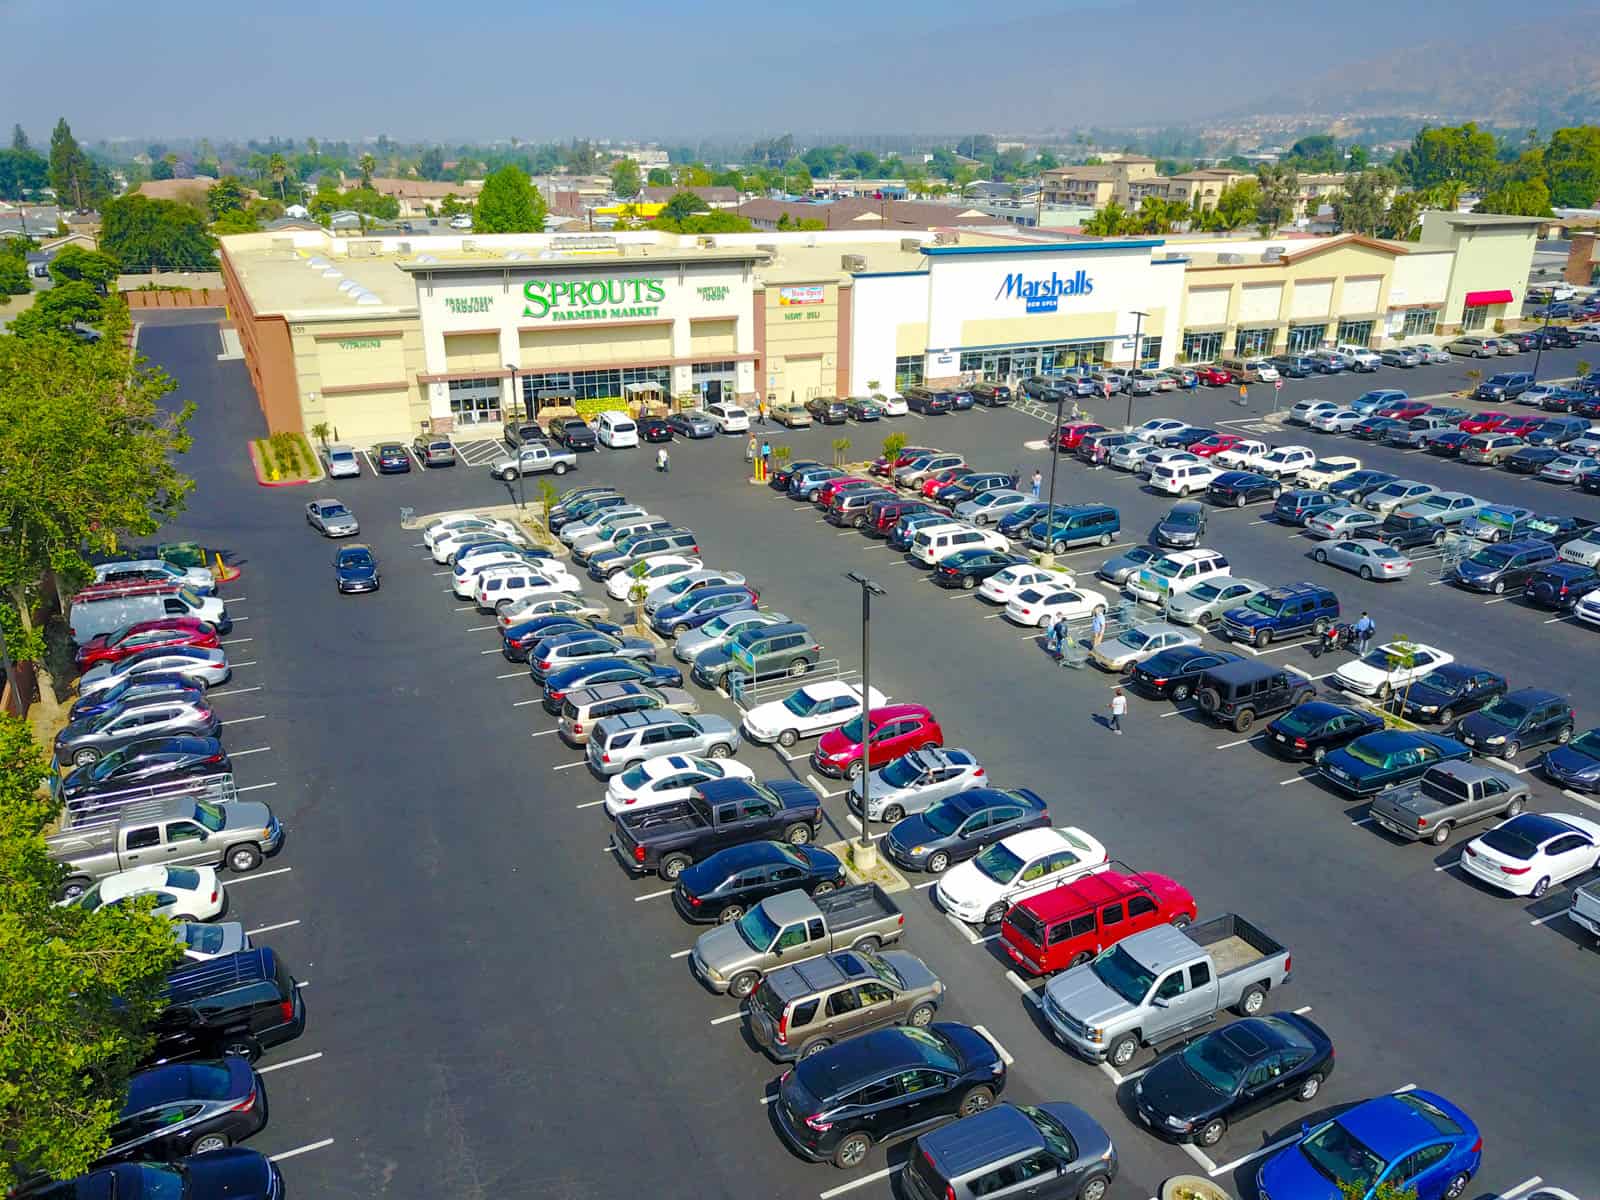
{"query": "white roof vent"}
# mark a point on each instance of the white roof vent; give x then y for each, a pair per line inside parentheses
(368, 298)
(333, 273)
(516, 256)
(318, 261)
(349, 285)
(427, 258)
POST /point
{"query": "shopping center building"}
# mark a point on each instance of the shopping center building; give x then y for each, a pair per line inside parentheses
(382, 337)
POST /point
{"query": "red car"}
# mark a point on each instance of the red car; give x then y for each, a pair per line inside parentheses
(1520, 426)
(1404, 410)
(882, 466)
(1484, 422)
(145, 635)
(1215, 444)
(897, 729)
(1073, 432)
(1069, 925)
(939, 480)
(826, 493)
(1214, 376)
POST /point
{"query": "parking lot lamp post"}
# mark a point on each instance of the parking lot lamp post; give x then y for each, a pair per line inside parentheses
(522, 480)
(1055, 456)
(869, 589)
(10, 675)
(1138, 328)
(1544, 330)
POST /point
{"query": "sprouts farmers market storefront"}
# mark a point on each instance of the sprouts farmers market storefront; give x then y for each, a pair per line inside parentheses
(1014, 310)
(502, 341)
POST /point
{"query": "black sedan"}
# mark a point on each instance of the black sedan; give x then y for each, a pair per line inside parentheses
(1190, 1095)
(827, 410)
(1182, 439)
(1447, 692)
(863, 408)
(1353, 488)
(1448, 444)
(655, 429)
(235, 1173)
(391, 458)
(1380, 760)
(517, 640)
(1561, 585)
(966, 569)
(1375, 429)
(731, 881)
(959, 826)
(187, 1108)
(1560, 400)
(604, 670)
(1307, 732)
(154, 760)
(1172, 673)
(355, 569)
(1575, 765)
(1530, 460)
(781, 475)
(1589, 482)
(1238, 488)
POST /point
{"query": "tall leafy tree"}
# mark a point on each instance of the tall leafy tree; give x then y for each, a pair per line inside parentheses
(1523, 198)
(509, 203)
(93, 267)
(226, 195)
(1280, 192)
(368, 165)
(625, 178)
(659, 177)
(1403, 220)
(1453, 152)
(683, 204)
(69, 168)
(278, 168)
(59, 311)
(1238, 203)
(19, 140)
(77, 992)
(1110, 221)
(1363, 202)
(1572, 166)
(146, 234)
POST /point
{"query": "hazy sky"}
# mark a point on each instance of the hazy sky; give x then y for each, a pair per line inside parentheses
(494, 68)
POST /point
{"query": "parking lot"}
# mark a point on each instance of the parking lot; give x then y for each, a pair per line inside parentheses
(494, 1005)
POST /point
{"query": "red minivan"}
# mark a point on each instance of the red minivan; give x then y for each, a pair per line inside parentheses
(897, 729)
(1069, 925)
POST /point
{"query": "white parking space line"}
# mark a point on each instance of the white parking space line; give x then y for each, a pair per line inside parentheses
(292, 1062)
(371, 466)
(236, 691)
(1300, 1012)
(681, 953)
(1546, 920)
(1253, 1155)
(1456, 861)
(1005, 1055)
(651, 895)
(236, 619)
(524, 704)
(962, 927)
(1255, 737)
(252, 750)
(490, 650)
(876, 1175)
(1021, 985)
(236, 599)
(235, 879)
(1579, 797)
(1111, 1073)
(1178, 712)
(256, 787)
(482, 628)
(568, 766)
(235, 641)
(1199, 1156)
(856, 821)
(1505, 766)
(272, 928)
(513, 675)
(994, 616)
(1497, 600)
(922, 887)
(1399, 1091)
(733, 1016)
(421, 466)
(299, 1150)
(1524, 1186)
(1297, 779)
(242, 720)
(1362, 821)
(589, 804)
(451, 571)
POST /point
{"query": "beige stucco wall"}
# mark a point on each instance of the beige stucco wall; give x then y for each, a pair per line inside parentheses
(372, 367)
(802, 340)
(1487, 258)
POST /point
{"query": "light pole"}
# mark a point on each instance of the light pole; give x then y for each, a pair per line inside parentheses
(10, 675)
(1138, 327)
(869, 589)
(1544, 330)
(1055, 457)
(522, 480)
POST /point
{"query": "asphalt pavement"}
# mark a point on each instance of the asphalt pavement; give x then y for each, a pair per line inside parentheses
(494, 1006)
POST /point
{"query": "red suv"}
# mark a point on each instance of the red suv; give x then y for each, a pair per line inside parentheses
(145, 635)
(1214, 376)
(1069, 925)
(883, 515)
(897, 729)
(882, 466)
(827, 491)
(1484, 422)
(1215, 444)
(1073, 432)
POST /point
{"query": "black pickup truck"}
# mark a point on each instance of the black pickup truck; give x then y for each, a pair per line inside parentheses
(667, 838)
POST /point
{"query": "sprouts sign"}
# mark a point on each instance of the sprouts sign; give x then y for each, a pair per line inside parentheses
(613, 298)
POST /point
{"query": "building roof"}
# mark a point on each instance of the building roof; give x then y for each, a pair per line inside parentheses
(711, 195)
(173, 189)
(1486, 219)
(860, 212)
(415, 189)
(1093, 174)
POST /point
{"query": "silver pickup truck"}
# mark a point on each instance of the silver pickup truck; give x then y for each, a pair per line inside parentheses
(790, 928)
(178, 830)
(534, 459)
(1447, 795)
(1161, 984)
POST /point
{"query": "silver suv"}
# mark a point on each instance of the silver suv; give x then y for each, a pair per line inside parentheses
(618, 743)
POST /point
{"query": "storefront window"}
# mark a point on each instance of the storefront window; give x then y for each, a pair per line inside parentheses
(1475, 317)
(714, 381)
(907, 371)
(1202, 347)
(603, 384)
(1250, 342)
(473, 401)
(1150, 355)
(1419, 321)
(1305, 338)
(1023, 361)
(1357, 333)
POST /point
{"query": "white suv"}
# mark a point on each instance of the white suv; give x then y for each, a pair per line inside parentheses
(933, 542)
(728, 417)
(1285, 462)
(1175, 574)
(1181, 478)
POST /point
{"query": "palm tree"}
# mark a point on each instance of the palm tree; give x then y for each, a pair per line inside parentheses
(1110, 221)
(367, 163)
(279, 170)
(1447, 194)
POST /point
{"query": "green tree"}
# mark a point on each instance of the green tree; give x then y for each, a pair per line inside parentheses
(659, 177)
(717, 221)
(1280, 190)
(1156, 215)
(278, 168)
(683, 204)
(1523, 199)
(1238, 203)
(431, 164)
(1363, 203)
(694, 175)
(145, 234)
(93, 267)
(368, 165)
(1387, 1190)
(1572, 166)
(1318, 153)
(19, 140)
(729, 178)
(226, 195)
(509, 203)
(79, 991)
(60, 310)
(234, 222)
(1110, 221)
(161, 168)
(1403, 220)
(13, 278)
(1452, 152)
(625, 178)
(69, 168)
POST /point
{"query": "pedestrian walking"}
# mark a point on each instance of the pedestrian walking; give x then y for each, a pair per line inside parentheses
(1119, 709)
(1038, 481)
(1099, 455)
(1056, 635)
(663, 464)
(1097, 628)
(766, 454)
(761, 412)
(1365, 628)
(750, 449)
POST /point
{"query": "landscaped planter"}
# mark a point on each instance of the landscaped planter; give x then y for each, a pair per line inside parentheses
(1192, 1187)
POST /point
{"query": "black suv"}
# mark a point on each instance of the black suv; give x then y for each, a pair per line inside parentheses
(1407, 533)
(1050, 1151)
(1561, 585)
(828, 410)
(237, 1004)
(1237, 693)
(991, 394)
(1525, 717)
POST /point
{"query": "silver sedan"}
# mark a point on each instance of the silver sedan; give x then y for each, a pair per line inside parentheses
(331, 518)
(1368, 558)
(915, 781)
(720, 629)
(989, 507)
(1139, 643)
(1342, 522)
(1206, 602)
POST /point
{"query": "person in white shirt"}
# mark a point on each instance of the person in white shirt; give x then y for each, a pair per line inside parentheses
(1119, 707)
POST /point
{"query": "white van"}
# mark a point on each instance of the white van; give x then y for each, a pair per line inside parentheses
(933, 542)
(617, 430)
(110, 611)
(342, 461)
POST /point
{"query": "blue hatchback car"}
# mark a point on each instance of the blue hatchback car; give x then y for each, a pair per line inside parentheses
(1415, 1140)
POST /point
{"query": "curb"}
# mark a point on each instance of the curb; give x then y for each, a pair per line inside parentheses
(255, 465)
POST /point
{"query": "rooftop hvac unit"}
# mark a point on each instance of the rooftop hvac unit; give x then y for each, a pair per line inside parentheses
(516, 256)
(853, 262)
(427, 258)
(1226, 257)
(333, 273)
(948, 237)
(770, 247)
(706, 243)
(368, 298)
(403, 247)
(349, 285)
(1273, 253)
(365, 248)
(911, 245)
(468, 246)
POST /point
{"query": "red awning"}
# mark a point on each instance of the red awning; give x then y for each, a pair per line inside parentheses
(1476, 299)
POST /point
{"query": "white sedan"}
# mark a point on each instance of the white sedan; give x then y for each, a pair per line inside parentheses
(444, 549)
(1335, 420)
(1003, 586)
(182, 893)
(462, 522)
(893, 406)
(528, 607)
(980, 890)
(653, 572)
(1531, 851)
(1391, 667)
(807, 712)
(665, 779)
(1044, 605)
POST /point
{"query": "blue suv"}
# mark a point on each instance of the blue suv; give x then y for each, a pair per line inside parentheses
(1280, 611)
